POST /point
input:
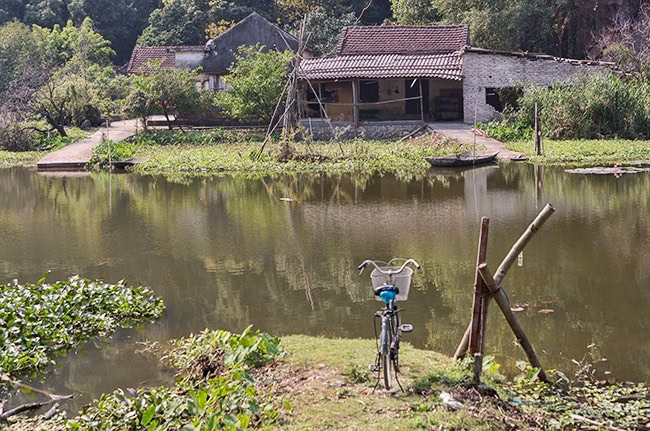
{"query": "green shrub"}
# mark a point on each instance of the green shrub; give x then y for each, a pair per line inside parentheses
(15, 137)
(217, 391)
(507, 131)
(598, 106)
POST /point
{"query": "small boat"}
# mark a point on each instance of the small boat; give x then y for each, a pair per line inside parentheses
(462, 159)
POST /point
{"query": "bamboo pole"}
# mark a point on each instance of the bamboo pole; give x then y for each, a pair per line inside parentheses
(480, 292)
(502, 300)
(355, 103)
(507, 262)
(538, 145)
(521, 243)
(421, 102)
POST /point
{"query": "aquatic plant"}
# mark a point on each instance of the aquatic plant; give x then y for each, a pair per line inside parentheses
(39, 321)
(216, 390)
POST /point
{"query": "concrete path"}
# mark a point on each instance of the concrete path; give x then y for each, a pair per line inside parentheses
(77, 156)
(463, 132)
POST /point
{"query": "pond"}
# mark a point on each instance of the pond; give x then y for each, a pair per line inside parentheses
(281, 254)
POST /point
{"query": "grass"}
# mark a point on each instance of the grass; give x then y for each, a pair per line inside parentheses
(9, 159)
(585, 152)
(303, 383)
(229, 153)
(42, 145)
(330, 399)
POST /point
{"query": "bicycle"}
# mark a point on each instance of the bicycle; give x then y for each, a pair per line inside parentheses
(390, 284)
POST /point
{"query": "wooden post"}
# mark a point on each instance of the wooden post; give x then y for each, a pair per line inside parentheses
(481, 293)
(538, 145)
(507, 262)
(502, 300)
(355, 101)
(421, 101)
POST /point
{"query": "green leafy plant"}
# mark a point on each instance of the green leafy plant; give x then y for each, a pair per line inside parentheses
(256, 82)
(38, 321)
(356, 373)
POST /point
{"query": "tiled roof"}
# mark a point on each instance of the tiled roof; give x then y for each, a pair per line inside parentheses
(444, 66)
(142, 54)
(361, 40)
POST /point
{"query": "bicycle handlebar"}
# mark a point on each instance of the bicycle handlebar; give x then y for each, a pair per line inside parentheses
(365, 263)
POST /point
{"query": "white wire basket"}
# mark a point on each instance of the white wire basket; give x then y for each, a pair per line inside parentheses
(402, 281)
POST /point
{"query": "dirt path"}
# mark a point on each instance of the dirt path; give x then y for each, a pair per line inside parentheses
(463, 132)
(76, 156)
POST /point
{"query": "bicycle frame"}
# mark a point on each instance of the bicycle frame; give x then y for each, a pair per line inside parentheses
(387, 359)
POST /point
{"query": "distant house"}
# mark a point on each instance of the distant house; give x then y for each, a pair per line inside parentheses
(216, 57)
(426, 74)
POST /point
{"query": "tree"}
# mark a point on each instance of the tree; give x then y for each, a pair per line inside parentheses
(415, 12)
(166, 90)
(65, 77)
(325, 29)
(16, 45)
(46, 13)
(119, 21)
(495, 24)
(257, 80)
(183, 22)
(627, 43)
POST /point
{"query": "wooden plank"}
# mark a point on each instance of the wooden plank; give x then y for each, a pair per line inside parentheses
(502, 300)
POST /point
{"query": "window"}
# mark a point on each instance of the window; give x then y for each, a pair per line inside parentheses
(369, 91)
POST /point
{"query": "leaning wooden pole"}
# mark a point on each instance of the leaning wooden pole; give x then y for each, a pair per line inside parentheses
(507, 262)
(502, 300)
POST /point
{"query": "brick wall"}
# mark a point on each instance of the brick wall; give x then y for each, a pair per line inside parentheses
(482, 70)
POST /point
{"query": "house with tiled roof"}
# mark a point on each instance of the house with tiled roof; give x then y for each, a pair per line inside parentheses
(419, 74)
(217, 56)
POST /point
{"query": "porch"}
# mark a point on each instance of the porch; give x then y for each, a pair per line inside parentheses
(359, 101)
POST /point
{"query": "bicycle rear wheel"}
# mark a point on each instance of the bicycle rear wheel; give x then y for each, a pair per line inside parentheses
(387, 362)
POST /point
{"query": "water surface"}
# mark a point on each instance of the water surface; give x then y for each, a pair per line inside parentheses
(226, 252)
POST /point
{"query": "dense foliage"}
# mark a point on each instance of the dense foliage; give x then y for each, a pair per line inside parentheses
(62, 76)
(168, 91)
(232, 153)
(596, 107)
(119, 21)
(216, 390)
(568, 402)
(257, 80)
(41, 320)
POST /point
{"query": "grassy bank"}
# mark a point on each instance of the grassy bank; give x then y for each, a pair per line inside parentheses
(9, 159)
(585, 152)
(36, 147)
(219, 152)
(255, 381)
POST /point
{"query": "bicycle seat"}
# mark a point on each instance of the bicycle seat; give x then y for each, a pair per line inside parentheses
(386, 288)
(387, 292)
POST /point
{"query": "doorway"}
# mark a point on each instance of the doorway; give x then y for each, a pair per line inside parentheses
(412, 107)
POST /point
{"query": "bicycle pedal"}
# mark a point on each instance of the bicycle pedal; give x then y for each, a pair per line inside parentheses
(373, 368)
(406, 328)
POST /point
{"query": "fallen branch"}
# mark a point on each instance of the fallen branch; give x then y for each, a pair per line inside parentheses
(23, 408)
(50, 413)
(52, 397)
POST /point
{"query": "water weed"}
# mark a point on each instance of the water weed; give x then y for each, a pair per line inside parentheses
(39, 321)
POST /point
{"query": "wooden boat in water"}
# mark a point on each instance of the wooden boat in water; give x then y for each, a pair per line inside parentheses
(462, 159)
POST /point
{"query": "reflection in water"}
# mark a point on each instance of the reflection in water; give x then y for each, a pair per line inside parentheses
(226, 252)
